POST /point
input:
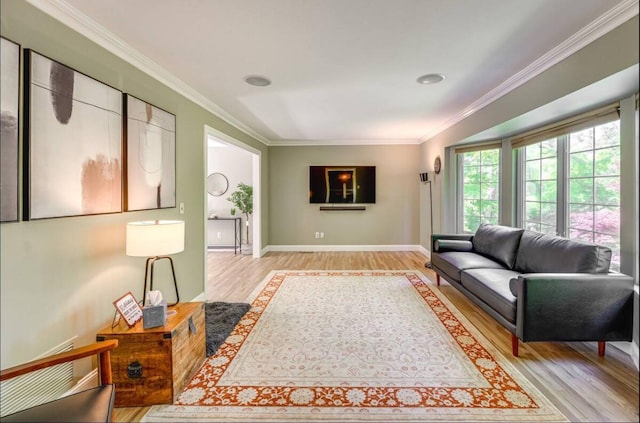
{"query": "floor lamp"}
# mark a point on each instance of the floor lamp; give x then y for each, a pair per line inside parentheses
(424, 178)
(155, 239)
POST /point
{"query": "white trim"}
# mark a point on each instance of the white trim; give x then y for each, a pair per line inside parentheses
(613, 18)
(307, 248)
(634, 354)
(74, 19)
(295, 143)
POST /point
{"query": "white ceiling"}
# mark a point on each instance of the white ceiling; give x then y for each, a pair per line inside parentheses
(344, 71)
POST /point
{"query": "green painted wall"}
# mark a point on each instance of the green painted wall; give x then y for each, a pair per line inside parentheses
(392, 220)
(59, 277)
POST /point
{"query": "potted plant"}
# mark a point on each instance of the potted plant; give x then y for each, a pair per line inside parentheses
(242, 199)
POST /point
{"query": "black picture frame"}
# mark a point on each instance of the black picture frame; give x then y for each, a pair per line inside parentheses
(150, 147)
(9, 129)
(73, 142)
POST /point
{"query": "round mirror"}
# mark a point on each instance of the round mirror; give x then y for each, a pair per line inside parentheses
(217, 184)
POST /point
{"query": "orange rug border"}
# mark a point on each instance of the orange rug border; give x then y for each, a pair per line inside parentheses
(507, 385)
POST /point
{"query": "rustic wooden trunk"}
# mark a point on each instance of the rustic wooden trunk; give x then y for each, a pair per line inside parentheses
(152, 366)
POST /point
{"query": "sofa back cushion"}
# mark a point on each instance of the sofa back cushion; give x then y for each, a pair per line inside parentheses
(540, 253)
(499, 243)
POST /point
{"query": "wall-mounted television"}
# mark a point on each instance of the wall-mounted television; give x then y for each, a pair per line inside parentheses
(342, 184)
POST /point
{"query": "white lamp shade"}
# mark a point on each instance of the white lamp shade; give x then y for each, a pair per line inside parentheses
(153, 238)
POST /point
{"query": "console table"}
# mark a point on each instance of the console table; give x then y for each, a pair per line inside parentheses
(237, 232)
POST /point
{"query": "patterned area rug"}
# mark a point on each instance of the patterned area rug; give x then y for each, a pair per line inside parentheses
(344, 346)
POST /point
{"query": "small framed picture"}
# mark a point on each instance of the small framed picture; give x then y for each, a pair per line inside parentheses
(128, 308)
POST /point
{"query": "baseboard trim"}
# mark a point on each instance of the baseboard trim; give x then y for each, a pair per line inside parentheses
(634, 354)
(313, 248)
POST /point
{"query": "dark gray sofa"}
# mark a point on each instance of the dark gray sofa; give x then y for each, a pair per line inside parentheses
(539, 287)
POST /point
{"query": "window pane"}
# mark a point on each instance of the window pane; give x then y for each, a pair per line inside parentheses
(471, 159)
(480, 188)
(471, 191)
(581, 190)
(532, 226)
(581, 164)
(533, 212)
(607, 191)
(607, 161)
(533, 191)
(489, 192)
(549, 191)
(581, 141)
(491, 157)
(532, 151)
(549, 148)
(607, 220)
(607, 134)
(533, 170)
(581, 217)
(490, 209)
(549, 168)
(548, 214)
(471, 175)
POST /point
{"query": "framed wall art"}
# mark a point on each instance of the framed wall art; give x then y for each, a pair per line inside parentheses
(151, 156)
(9, 120)
(73, 148)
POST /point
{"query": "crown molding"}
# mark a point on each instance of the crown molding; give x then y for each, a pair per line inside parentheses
(307, 143)
(607, 22)
(74, 19)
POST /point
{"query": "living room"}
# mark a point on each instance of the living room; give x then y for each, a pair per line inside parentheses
(60, 276)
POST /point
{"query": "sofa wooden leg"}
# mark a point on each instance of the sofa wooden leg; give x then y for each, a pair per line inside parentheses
(601, 347)
(514, 345)
(437, 279)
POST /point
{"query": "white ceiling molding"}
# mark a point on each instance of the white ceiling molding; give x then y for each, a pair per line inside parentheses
(71, 17)
(615, 17)
(314, 142)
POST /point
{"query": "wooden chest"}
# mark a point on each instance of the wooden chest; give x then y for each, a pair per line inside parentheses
(152, 366)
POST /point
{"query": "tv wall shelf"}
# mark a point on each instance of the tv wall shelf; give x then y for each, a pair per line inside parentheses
(341, 208)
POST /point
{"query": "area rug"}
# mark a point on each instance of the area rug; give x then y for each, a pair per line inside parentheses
(220, 318)
(345, 346)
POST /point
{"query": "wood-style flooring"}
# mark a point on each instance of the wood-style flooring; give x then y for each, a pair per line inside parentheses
(584, 386)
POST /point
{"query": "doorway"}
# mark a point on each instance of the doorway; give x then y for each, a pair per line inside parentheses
(233, 162)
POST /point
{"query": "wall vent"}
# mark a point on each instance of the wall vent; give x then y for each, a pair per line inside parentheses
(37, 387)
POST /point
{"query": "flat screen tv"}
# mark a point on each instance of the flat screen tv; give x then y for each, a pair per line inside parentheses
(342, 184)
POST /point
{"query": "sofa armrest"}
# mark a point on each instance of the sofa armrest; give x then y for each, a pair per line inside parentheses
(441, 238)
(573, 306)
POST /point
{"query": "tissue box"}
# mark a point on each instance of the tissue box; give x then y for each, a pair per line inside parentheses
(154, 316)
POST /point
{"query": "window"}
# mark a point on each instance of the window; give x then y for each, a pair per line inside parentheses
(570, 184)
(594, 187)
(540, 212)
(479, 187)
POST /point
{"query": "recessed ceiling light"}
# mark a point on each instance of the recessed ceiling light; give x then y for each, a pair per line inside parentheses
(257, 80)
(430, 79)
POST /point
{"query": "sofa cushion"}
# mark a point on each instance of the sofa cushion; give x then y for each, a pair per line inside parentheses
(498, 242)
(492, 287)
(541, 253)
(452, 263)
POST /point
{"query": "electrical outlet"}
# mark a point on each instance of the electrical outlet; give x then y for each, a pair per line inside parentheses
(317, 234)
(321, 234)
(181, 208)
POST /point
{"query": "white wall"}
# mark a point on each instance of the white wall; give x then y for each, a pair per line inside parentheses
(236, 164)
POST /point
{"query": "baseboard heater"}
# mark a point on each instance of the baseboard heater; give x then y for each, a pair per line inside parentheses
(341, 208)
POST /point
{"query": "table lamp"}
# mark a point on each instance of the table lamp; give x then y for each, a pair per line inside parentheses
(155, 239)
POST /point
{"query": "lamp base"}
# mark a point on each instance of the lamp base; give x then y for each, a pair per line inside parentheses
(148, 277)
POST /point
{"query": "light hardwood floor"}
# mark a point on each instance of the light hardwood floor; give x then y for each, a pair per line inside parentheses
(584, 386)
